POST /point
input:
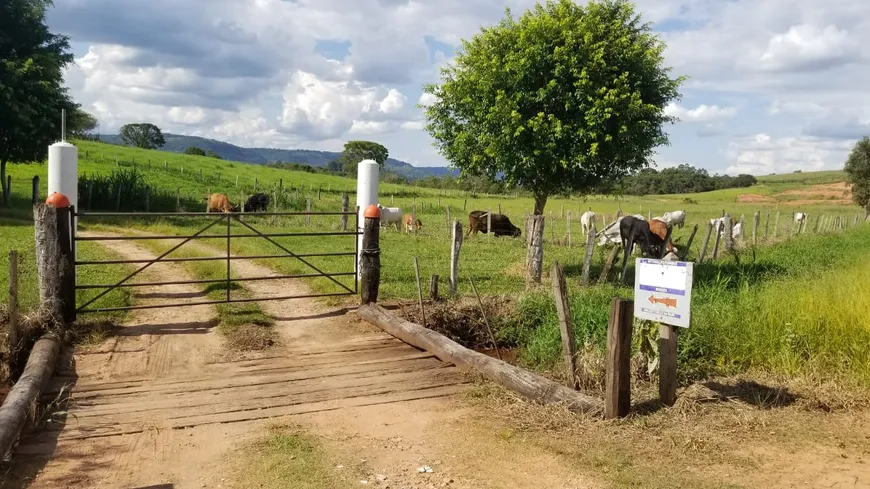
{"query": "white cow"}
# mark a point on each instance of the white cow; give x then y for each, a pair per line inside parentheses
(675, 218)
(736, 228)
(799, 217)
(587, 220)
(610, 234)
(390, 215)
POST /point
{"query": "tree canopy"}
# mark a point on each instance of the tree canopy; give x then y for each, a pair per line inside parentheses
(682, 179)
(142, 135)
(193, 150)
(31, 76)
(857, 170)
(356, 151)
(560, 100)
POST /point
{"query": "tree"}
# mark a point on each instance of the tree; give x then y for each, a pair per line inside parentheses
(213, 154)
(857, 170)
(334, 166)
(561, 100)
(142, 135)
(80, 123)
(356, 151)
(31, 76)
(193, 150)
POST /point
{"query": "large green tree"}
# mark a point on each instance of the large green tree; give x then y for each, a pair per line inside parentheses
(142, 135)
(356, 151)
(857, 170)
(31, 84)
(560, 100)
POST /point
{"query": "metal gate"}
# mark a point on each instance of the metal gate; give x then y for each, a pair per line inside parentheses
(223, 222)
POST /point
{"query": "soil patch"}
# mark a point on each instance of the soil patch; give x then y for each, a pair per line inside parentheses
(461, 320)
(754, 199)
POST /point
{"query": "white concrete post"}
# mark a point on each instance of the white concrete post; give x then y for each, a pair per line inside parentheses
(366, 195)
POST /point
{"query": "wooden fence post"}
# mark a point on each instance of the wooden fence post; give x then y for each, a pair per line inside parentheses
(48, 259)
(689, 243)
(667, 364)
(706, 242)
(816, 226)
(719, 232)
(617, 390)
(35, 190)
(776, 225)
(568, 227)
(345, 205)
(755, 221)
(14, 333)
(447, 209)
(68, 268)
(587, 257)
(454, 256)
(147, 198)
(370, 260)
(608, 264)
(433, 288)
(729, 230)
(566, 328)
(766, 224)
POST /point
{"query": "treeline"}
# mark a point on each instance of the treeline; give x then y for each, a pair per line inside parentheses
(683, 179)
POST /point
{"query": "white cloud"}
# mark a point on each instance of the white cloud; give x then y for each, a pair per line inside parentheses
(762, 154)
(701, 113)
(806, 47)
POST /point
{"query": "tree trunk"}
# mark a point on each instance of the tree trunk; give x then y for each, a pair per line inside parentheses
(3, 181)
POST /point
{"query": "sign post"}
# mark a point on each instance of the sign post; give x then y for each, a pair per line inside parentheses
(663, 293)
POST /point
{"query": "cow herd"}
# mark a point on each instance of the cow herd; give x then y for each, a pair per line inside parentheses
(258, 202)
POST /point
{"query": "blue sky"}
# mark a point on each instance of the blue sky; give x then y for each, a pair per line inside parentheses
(774, 86)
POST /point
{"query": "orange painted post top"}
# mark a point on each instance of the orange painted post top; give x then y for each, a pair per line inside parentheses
(58, 200)
(372, 212)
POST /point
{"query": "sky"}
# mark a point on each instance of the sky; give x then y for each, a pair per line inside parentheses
(774, 85)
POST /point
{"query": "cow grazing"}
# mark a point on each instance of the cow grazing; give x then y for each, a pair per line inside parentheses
(675, 218)
(660, 228)
(587, 220)
(633, 230)
(799, 217)
(501, 225)
(220, 203)
(719, 223)
(258, 202)
(390, 215)
(610, 234)
(411, 223)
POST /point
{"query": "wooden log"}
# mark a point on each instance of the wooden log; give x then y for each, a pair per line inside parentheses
(667, 364)
(617, 392)
(16, 406)
(529, 385)
(587, 257)
(566, 327)
(370, 261)
(454, 256)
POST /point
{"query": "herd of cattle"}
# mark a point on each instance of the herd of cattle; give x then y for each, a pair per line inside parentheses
(258, 202)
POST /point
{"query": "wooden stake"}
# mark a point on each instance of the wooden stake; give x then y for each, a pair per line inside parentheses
(454, 256)
(566, 328)
(419, 292)
(587, 258)
(485, 320)
(433, 288)
(608, 264)
(667, 364)
(617, 393)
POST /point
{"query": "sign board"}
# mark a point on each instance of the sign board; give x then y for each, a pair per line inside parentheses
(663, 291)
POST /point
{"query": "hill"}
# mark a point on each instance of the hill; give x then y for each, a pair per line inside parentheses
(177, 143)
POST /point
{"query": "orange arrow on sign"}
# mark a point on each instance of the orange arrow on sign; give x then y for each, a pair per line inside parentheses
(668, 302)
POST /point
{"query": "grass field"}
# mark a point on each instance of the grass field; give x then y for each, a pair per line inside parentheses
(784, 307)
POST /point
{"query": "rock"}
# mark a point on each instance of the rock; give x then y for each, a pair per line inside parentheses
(380, 478)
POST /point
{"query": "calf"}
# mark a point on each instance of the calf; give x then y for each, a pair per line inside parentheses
(220, 203)
(390, 215)
(501, 225)
(258, 202)
(587, 220)
(675, 218)
(410, 223)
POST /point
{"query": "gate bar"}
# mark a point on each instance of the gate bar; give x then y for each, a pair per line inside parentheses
(213, 281)
(203, 303)
(215, 236)
(211, 258)
(171, 214)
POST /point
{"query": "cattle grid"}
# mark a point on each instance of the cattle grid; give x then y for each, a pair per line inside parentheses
(226, 218)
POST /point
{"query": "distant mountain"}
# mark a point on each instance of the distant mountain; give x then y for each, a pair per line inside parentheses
(177, 143)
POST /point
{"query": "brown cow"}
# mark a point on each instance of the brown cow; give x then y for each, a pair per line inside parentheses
(409, 223)
(501, 225)
(220, 203)
(659, 228)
